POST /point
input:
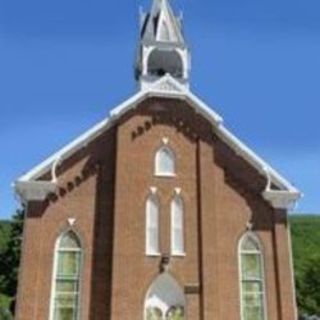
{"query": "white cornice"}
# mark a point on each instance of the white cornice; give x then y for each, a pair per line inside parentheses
(280, 199)
(167, 88)
(35, 190)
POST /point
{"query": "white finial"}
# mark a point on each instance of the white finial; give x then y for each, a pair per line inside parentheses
(165, 140)
(153, 190)
(177, 190)
(71, 221)
(249, 225)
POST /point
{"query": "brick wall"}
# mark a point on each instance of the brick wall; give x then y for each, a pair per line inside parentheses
(105, 185)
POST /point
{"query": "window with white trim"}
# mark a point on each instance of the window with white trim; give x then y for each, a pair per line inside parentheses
(165, 300)
(177, 226)
(67, 273)
(165, 162)
(152, 225)
(252, 279)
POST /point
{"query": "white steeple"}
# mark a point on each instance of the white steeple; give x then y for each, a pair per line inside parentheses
(162, 48)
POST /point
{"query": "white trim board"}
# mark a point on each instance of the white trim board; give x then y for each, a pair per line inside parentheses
(168, 88)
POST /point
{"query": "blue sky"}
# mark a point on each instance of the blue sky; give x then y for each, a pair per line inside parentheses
(65, 64)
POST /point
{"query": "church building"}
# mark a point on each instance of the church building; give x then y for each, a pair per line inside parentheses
(158, 212)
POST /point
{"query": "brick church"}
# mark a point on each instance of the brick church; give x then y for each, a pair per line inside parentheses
(158, 212)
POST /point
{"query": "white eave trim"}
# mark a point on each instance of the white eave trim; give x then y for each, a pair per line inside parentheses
(252, 158)
(166, 87)
(178, 93)
(66, 151)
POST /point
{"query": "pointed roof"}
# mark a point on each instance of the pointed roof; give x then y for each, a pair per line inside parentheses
(161, 24)
(28, 186)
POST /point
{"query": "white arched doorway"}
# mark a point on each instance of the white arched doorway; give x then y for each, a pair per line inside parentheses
(165, 300)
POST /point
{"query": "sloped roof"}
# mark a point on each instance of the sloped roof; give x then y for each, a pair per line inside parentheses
(168, 87)
(160, 16)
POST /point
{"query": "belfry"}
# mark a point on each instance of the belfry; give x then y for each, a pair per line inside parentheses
(163, 49)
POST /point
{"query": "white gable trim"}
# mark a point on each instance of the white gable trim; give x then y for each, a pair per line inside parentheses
(245, 152)
(66, 151)
(168, 87)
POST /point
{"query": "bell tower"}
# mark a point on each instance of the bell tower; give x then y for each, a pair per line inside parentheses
(162, 47)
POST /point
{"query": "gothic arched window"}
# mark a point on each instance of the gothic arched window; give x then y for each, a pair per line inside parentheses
(177, 226)
(67, 275)
(252, 278)
(152, 225)
(165, 300)
(165, 162)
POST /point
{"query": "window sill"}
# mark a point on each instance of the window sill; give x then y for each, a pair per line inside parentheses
(178, 255)
(165, 175)
(156, 254)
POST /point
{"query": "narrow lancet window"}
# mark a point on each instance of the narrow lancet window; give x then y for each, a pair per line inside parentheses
(165, 162)
(177, 226)
(67, 273)
(152, 225)
(252, 279)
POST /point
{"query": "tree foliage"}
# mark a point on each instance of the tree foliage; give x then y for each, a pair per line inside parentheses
(5, 227)
(9, 262)
(306, 253)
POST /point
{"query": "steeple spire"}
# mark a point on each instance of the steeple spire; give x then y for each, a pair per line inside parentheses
(161, 24)
(163, 48)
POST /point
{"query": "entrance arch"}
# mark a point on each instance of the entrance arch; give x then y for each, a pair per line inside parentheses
(165, 300)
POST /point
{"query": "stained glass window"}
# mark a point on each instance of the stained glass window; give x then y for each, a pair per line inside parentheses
(154, 313)
(165, 299)
(165, 162)
(152, 221)
(177, 232)
(67, 278)
(252, 279)
(175, 313)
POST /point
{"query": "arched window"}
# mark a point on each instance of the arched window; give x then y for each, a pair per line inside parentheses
(67, 273)
(165, 300)
(177, 223)
(252, 279)
(152, 225)
(165, 162)
(163, 61)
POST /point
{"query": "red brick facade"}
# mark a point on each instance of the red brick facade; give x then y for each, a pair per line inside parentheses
(104, 187)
